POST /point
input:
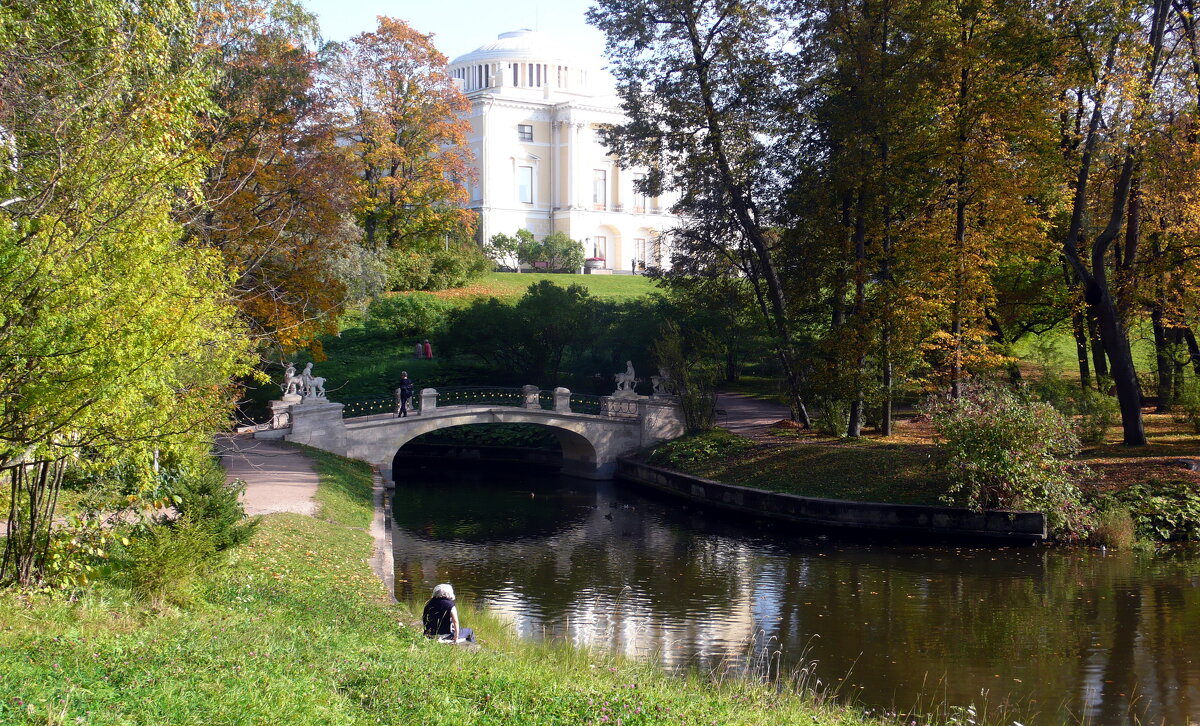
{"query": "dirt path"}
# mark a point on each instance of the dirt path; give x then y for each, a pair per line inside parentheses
(278, 479)
(749, 417)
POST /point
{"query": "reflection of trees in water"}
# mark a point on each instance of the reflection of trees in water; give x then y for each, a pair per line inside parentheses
(1041, 628)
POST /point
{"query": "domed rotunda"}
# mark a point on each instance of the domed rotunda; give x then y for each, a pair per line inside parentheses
(536, 110)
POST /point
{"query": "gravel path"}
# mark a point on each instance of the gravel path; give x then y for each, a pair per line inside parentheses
(278, 479)
(749, 417)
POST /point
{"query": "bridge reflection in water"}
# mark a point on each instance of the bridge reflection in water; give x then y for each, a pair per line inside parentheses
(1054, 634)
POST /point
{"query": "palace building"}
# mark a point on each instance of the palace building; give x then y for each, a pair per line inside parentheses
(536, 111)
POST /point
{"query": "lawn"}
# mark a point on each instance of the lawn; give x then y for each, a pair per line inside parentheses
(297, 630)
(511, 285)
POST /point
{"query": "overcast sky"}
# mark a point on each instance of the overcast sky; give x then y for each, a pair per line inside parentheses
(461, 26)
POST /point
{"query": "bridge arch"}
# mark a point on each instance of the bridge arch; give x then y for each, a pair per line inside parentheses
(579, 454)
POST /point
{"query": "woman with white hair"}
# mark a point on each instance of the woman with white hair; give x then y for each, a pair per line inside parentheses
(440, 617)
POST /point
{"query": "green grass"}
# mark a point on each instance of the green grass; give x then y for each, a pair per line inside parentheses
(512, 285)
(296, 630)
(865, 471)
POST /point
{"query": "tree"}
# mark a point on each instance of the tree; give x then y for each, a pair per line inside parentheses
(277, 187)
(699, 84)
(399, 111)
(116, 340)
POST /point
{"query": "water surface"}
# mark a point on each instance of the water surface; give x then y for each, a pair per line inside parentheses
(1059, 636)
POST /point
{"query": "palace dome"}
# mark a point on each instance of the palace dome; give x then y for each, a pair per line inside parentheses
(523, 44)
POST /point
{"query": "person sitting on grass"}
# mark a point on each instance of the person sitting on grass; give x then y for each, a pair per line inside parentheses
(440, 618)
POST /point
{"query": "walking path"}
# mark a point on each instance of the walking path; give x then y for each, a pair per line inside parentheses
(278, 479)
(749, 417)
(282, 479)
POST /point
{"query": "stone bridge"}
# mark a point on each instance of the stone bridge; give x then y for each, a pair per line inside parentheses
(592, 430)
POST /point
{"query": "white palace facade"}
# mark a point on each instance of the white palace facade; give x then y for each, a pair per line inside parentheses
(535, 116)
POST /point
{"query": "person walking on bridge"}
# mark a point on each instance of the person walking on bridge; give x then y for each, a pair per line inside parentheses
(403, 394)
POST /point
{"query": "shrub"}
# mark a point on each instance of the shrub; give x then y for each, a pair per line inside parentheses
(206, 501)
(414, 314)
(1164, 510)
(440, 269)
(1189, 403)
(1098, 413)
(833, 417)
(1002, 450)
(699, 448)
(1115, 528)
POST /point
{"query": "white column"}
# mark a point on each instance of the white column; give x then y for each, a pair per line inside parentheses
(570, 170)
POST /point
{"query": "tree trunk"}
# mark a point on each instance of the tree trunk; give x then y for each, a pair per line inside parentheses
(854, 427)
(1081, 348)
(746, 214)
(1164, 361)
(1099, 361)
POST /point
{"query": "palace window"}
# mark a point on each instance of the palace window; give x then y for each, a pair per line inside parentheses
(639, 197)
(639, 251)
(599, 188)
(524, 132)
(525, 184)
(600, 247)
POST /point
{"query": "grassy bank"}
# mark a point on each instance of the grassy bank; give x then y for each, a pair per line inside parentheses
(811, 466)
(297, 630)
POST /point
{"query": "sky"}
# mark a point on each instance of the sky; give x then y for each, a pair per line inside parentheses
(461, 26)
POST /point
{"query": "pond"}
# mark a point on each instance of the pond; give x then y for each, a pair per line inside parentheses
(1051, 635)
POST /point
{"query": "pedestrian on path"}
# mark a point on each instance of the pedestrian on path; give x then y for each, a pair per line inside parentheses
(403, 394)
(428, 350)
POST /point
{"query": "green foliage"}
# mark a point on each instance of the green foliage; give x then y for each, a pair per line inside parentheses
(699, 448)
(556, 252)
(832, 416)
(1002, 450)
(416, 314)
(206, 501)
(529, 340)
(1098, 413)
(126, 337)
(1189, 403)
(1164, 510)
(438, 269)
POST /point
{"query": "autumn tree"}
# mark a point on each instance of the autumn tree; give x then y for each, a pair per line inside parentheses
(278, 192)
(399, 111)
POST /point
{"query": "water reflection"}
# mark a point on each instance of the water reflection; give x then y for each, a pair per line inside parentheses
(1054, 634)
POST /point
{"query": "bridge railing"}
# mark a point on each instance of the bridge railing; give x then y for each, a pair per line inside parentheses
(480, 396)
(494, 396)
(368, 406)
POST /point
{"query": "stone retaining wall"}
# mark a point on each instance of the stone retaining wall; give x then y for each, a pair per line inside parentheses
(998, 526)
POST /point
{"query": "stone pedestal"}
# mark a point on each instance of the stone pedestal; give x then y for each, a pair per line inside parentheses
(531, 397)
(281, 411)
(428, 400)
(562, 400)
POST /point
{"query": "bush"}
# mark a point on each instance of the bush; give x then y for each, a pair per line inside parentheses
(833, 417)
(1164, 510)
(206, 501)
(439, 269)
(698, 449)
(414, 314)
(1189, 403)
(1002, 450)
(1098, 413)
